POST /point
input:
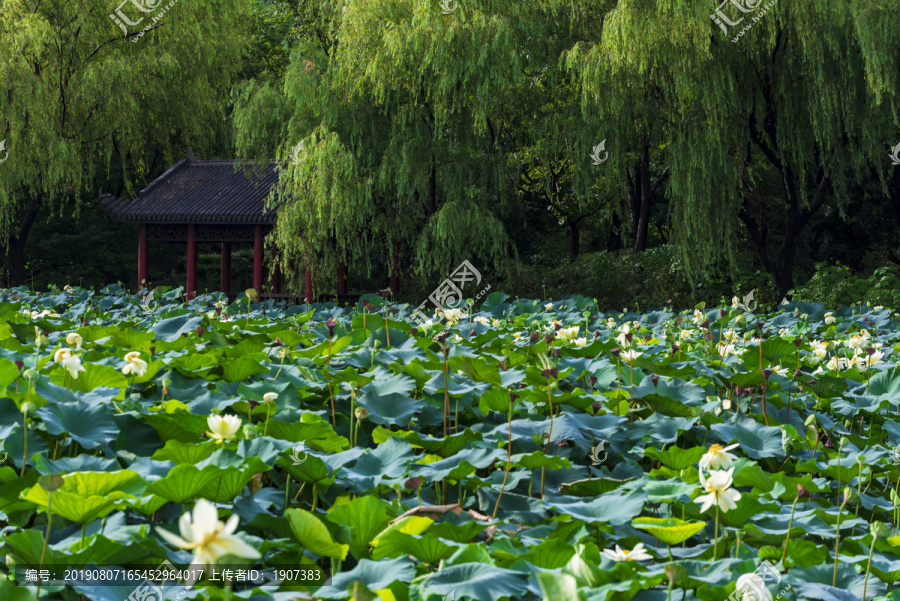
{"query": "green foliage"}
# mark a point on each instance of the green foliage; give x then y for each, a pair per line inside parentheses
(834, 285)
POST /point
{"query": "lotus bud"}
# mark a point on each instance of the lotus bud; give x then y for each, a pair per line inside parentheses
(592, 380)
(798, 342)
(28, 373)
(557, 326)
(596, 333)
(847, 493)
(414, 483)
(615, 352)
(675, 348)
(629, 337)
(534, 337)
(722, 312)
(548, 339)
(278, 342)
(655, 379)
(596, 406)
(330, 325)
(844, 440)
(760, 324)
(810, 420)
(414, 331)
(870, 351)
(27, 407)
(802, 492)
(361, 413)
(284, 352)
(20, 365)
(767, 373)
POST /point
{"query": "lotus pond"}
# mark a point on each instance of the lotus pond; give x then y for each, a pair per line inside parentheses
(527, 450)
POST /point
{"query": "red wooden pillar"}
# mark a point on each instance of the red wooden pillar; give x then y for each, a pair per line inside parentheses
(225, 271)
(143, 258)
(309, 290)
(341, 282)
(395, 269)
(258, 258)
(191, 261)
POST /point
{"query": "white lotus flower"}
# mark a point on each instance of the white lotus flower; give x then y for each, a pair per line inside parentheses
(209, 537)
(829, 318)
(453, 316)
(580, 341)
(630, 355)
(482, 320)
(726, 404)
(623, 341)
(71, 363)
(835, 363)
(874, 359)
(610, 322)
(735, 302)
(568, 333)
(781, 371)
(73, 339)
(719, 491)
(548, 306)
(636, 554)
(134, 364)
(269, 397)
(718, 457)
(752, 588)
(699, 317)
(223, 427)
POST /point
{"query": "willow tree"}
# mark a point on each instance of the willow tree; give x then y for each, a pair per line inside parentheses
(808, 90)
(86, 98)
(407, 117)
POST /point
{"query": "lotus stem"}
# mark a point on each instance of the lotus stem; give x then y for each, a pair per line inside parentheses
(716, 531)
(790, 523)
(837, 541)
(868, 567)
(508, 461)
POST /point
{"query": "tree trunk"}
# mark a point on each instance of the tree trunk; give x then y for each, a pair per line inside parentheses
(614, 242)
(574, 239)
(644, 199)
(15, 254)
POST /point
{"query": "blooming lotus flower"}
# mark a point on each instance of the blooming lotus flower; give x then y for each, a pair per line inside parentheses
(829, 318)
(735, 302)
(580, 341)
(209, 538)
(623, 341)
(874, 359)
(548, 306)
(71, 363)
(726, 404)
(495, 323)
(453, 316)
(134, 364)
(73, 339)
(610, 322)
(781, 371)
(223, 427)
(856, 361)
(482, 320)
(699, 317)
(835, 363)
(719, 491)
(630, 355)
(269, 397)
(568, 333)
(718, 457)
(752, 588)
(636, 554)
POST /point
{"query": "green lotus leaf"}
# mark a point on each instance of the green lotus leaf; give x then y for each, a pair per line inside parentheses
(671, 531)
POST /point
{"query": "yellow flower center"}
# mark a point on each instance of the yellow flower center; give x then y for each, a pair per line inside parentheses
(714, 449)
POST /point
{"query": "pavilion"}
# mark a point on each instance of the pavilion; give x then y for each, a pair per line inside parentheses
(203, 201)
